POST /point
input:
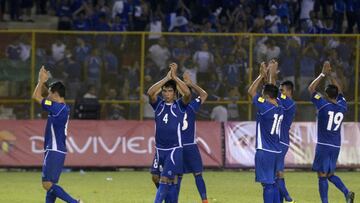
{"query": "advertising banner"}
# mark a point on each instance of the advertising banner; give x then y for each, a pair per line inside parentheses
(98, 143)
(240, 144)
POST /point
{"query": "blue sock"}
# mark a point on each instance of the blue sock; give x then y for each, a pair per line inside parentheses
(276, 193)
(161, 192)
(179, 185)
(50, 198)
(200, 184)
(283, 191)
(57, 191)
(339, 184)
(171, 195)
(268, 193)
(323, 189)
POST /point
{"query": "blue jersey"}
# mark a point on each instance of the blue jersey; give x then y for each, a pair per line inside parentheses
(268, 125)
(56, 126)
(289, 114)
(329, 119)
(189, 127)
(168, 123)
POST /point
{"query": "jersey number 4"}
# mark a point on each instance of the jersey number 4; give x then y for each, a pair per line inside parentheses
(337, 119)
(275, 129)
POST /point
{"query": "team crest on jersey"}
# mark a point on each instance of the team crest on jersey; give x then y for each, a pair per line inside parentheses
(262, 100)
(48, 102)
(317, 96)
(169, 173)
(283, 96)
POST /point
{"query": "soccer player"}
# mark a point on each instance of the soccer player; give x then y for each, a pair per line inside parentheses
(191, 154)
(268, 122)
(169, 117)
(55, 136)
(330, 113)
(285, 96)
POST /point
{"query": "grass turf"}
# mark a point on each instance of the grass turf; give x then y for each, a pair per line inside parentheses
(136, 187)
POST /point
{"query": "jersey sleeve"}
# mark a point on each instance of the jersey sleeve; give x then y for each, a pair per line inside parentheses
(259, 102)
(156, 103)
(195, 104)
(181, 104)
(342, 101)
(318, 100)
(52, 107)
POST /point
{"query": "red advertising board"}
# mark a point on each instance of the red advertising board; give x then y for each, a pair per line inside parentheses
(98, 143)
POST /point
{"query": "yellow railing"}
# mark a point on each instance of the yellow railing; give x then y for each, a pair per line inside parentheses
(137, 44)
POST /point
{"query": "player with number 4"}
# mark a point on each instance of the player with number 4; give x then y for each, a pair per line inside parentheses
(169, 116)
(268, 124)
(330, 114)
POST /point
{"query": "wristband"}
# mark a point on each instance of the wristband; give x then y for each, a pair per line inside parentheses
(322, 75)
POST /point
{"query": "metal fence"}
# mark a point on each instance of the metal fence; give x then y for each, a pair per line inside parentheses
(119, 67)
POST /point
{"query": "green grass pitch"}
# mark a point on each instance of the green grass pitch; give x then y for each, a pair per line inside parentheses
(136, 187)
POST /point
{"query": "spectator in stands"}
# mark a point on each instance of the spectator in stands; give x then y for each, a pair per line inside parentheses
(58, 50)
(190, 67)
(73, 75)
(219, 113)
(308, 61)
(111, 66)
(13, 51)
(26, 6)
(273, 19)
(90, 93)
(313, 25)
(93, 64)
(64, 12)
(180, 52)
(233, 107)
(14, 6)
(272, 51)
(233, 72)
(204, 60)
(306, 7)
(339, 11)
(141, 15)
(284, 25)
(81, 22)
(119, 24)
(289, 60)
(352, 15)
(112, 111)
(81, 50)
(160, 53)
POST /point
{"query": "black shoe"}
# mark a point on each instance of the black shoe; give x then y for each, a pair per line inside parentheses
(350, 197)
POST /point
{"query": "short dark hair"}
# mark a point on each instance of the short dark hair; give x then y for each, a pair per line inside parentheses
(58, 87)
(332, 91)
(271, 90)
(170, 83)
(288, 84)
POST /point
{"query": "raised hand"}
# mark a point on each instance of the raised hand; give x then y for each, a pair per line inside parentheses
(43, 74)
(186, 77)
(263, 69)
(173, 68)
(326, 68)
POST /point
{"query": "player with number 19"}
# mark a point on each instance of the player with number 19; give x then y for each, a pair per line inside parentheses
(268, 125)
(330, 114)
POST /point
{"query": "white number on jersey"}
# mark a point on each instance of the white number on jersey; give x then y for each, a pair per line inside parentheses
(155, 164)
(276, 124)
(337, 119)
(185, 123)
(165, 119)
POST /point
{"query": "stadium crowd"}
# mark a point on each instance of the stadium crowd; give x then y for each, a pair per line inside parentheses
(108, 64)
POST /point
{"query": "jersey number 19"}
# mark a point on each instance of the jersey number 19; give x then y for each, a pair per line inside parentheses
(337, 119)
